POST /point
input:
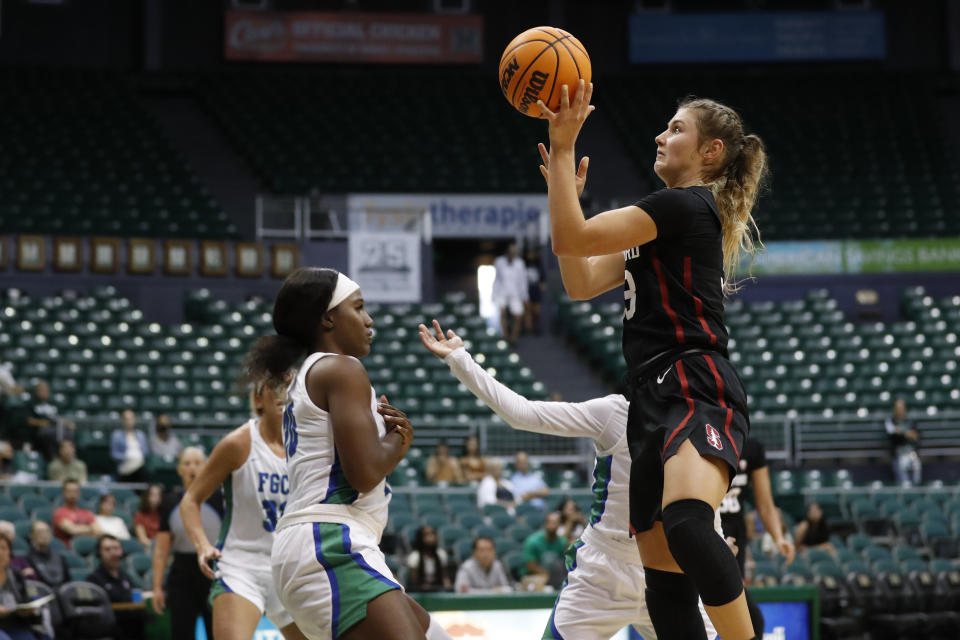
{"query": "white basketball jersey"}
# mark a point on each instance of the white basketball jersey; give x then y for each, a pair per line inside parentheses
(255, 496)
(316, 476)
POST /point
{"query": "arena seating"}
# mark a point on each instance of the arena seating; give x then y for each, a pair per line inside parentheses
(82, 156)
(852, 156)
(469, 141)
(804, 358)
(101, 355)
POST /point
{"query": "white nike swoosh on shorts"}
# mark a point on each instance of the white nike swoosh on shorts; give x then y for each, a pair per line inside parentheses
(662, 376)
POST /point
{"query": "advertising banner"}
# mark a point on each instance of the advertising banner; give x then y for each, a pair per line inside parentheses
(386, 265)
(312, 36)
(461, 215)
(857, 256)
(773, 36)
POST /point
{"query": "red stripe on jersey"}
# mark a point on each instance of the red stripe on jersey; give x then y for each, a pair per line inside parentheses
(665, 298)
(722, 401)
(698, 303)
(685, 389)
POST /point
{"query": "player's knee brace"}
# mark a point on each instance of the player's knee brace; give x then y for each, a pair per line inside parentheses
(701, 553)
(673, 607)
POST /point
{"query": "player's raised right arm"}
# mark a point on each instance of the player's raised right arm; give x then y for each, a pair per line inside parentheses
(341, 384)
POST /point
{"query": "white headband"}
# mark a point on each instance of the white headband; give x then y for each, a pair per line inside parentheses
(345, 287)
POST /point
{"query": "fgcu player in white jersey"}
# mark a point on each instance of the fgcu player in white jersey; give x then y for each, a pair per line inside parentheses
(604, 590)
(340, 445)
(249, 463)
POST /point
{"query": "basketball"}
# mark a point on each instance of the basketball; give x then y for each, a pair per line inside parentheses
(537, 63)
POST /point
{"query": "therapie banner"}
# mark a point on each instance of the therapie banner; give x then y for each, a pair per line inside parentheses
(459, 215)
(312, 36)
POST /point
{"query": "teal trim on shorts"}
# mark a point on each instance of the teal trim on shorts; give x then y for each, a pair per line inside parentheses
(570, 562)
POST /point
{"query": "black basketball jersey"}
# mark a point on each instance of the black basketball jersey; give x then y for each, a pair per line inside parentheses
(753, 457)
(673, 286)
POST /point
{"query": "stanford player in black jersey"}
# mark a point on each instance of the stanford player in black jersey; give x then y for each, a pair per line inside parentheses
(676, 251)
(753, 473)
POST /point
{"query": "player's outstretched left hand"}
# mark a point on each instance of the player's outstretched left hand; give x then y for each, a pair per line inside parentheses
(436, 343)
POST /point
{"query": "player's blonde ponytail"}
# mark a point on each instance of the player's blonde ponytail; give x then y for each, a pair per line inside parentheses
(735, 180)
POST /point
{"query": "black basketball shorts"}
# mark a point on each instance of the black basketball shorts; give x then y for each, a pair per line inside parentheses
(698, 398)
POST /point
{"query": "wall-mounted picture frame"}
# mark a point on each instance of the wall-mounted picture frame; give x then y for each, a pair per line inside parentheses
(3, 252)
(283, 260)
(213, 258)
(177, 257)
(67, 254)
(104, 255)
(31, 253)
(248, 259)
(141, 256)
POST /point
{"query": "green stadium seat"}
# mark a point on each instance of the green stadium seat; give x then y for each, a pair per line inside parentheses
(84, 545)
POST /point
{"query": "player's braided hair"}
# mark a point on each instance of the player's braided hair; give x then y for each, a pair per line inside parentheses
(735, 180)
(300, 303)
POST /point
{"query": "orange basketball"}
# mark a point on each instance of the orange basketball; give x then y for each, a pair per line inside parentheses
(537, 63)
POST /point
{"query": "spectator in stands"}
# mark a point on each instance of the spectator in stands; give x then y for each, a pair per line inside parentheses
(527, 485)
(8, 387)
(66, 465)
(494, 489)
(543, 549)
(109, 523)
(8, 384)
(813, 531)
(441, 467)
(49, 566)
(510, 291)
(472, 464)
(903, 445)
(482, 572)
(572, 521)
(70, 520)
(119, 586)
(536, 285)
(427, 563)
(164, 442)
(13, 625)
(9, 531)
(6, 458)
(128, 448)
(46, 424)
(146, 521)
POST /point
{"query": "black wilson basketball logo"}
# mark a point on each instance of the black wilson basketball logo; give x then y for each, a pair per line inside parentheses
(507, 75)
(713, 437)
(538, 80)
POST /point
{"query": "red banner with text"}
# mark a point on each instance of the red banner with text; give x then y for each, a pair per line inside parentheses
(310, 36)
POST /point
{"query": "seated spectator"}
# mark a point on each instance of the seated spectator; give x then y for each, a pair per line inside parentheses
(49, 566)
(66, 465)
(572, 521)
(9, 531)
(441, 467)
(494, 489)
(482, 572)
(543, 549)
(527, 485)
(427, 563)
(118, 585)
(813, 531)
(164, 443)
(472, 464)
(903, 445)
(128, 448)
(110, 524)
(146, 521)
(16, 626)
(71, 520)
(47, 426)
